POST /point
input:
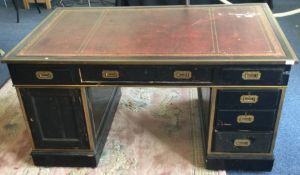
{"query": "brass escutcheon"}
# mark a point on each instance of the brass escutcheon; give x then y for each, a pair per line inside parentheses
(44, 75)
(110, 74)
(242, 142)
(182, 74)
(251, 75)
(249, 99)
(245, 119)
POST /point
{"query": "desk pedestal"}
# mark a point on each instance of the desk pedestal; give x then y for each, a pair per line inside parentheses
(69, 126)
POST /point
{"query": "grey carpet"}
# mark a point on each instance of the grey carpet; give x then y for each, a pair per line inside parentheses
(11, 32)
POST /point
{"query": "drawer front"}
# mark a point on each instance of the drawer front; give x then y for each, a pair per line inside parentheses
(247, 76)
(248, 99)
(142, 73)
(42, 74)
(242, 142)
(253, 120)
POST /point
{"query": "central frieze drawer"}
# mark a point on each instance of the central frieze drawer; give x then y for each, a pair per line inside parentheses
(248, 99)
(254, 120)
(242, 142)
(148, 73)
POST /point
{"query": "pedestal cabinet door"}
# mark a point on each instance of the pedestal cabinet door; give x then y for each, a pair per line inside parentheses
(56, 117)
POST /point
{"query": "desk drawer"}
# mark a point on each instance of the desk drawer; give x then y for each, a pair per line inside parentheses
(242, 142)
(254, 120)
(43, 74)
(247, 76)
(248, 99)
(145, 73)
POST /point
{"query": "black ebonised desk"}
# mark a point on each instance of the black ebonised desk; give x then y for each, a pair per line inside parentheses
(68, 71)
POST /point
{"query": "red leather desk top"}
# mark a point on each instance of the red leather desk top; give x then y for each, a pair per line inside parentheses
(199, 32)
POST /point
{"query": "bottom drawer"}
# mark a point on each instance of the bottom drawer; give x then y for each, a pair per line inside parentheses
(242, 142)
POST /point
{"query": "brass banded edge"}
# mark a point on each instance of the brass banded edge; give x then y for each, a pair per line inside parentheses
(63, 150)
(220, 87)
(213, 99)
(148, 82)
(278, 116)
(87, 118)
(150, 61)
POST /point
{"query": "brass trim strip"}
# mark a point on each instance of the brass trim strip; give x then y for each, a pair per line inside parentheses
(150, 60)
(213, 97)
(87, 118)
(25, 118)
(150, 85)
(63, 150)
(283, 91)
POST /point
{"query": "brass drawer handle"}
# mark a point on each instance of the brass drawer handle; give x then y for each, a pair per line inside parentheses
(249, 99)
(251, 75)
(242, 142)
(44, 75)
(245, 119)
(110, 74)
(178, 74)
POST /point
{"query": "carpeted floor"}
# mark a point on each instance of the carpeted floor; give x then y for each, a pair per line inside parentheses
(11, 32)
(141, 140)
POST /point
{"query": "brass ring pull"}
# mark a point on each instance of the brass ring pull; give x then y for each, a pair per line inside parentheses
(44, 75)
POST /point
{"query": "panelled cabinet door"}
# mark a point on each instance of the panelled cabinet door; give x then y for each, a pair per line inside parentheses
(56, 117)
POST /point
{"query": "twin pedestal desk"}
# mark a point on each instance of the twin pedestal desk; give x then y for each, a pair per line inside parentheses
(69, 70)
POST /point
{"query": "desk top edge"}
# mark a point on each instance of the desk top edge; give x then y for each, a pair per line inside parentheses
(289, 58)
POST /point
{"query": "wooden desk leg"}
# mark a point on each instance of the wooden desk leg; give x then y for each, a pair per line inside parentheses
(48, 4)
(26, 4)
